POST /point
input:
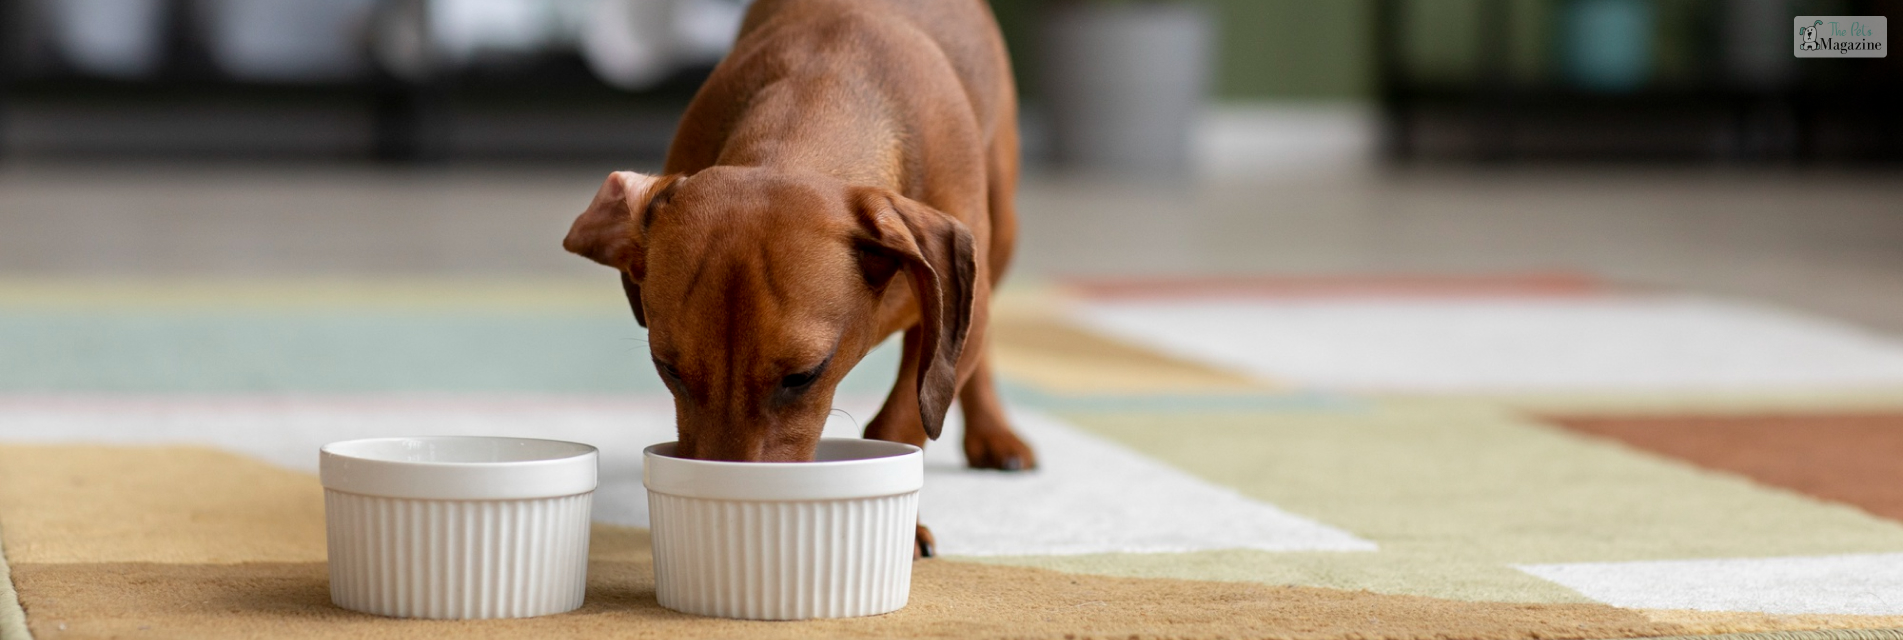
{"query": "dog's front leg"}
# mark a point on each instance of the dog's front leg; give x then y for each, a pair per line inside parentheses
(898, 421)
(989, 441)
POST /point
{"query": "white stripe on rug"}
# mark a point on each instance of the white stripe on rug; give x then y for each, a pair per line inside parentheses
(1090, 496)
(1642, 343)
(1865, 584)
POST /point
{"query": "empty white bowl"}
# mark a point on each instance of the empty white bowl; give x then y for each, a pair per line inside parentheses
(830, 538)
(457, 527)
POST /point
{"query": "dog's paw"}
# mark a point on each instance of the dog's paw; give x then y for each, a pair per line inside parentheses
(923, 546)
(998, 449)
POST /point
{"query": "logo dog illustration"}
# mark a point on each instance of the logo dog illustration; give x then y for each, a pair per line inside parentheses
(1810, 36)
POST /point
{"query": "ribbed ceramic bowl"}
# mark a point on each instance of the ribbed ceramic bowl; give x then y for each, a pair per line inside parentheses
(830, 538)
(457, 527)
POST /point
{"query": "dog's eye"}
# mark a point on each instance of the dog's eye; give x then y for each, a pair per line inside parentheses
(799, 380)
(667, 370)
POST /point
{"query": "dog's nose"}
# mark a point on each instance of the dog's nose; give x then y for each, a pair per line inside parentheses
(746, 447)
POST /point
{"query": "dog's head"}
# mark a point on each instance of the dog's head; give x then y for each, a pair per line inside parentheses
(760, 289)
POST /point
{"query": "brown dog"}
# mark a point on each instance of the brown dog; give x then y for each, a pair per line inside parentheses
(842, 147)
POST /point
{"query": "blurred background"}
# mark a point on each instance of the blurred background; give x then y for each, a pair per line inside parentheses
(1360, 261)
(1656, 143)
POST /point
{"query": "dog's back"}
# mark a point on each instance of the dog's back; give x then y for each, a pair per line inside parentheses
(919, 92)
(964, 30)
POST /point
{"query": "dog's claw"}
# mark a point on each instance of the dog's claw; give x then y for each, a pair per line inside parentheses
(1001, 450)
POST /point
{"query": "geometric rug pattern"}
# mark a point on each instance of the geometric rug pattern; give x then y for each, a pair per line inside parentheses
(1480, 457)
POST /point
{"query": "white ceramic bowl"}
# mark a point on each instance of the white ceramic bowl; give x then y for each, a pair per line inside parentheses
(457, 527)
(786, 541)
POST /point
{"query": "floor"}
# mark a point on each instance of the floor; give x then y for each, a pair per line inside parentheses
(1827, 242)
(1269, 454)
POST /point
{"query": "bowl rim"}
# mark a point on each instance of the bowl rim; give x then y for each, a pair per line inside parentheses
(892, 450)
(339, 449)
(898, 468)
(571, 473)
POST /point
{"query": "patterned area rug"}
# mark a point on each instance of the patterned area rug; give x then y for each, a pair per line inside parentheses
(1519, 456)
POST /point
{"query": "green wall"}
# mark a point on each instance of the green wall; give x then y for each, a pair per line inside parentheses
(1299, 49)
(1267, 49)
(1324, 49)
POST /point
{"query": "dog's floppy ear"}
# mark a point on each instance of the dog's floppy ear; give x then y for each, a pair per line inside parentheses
(935, 251)
(611, 230)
